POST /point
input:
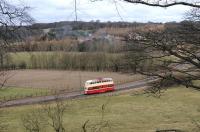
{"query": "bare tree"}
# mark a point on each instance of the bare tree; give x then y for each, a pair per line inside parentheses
(174, 52)
(180, 42)
(97, 126)
(34, 121)
(12, 18)
(193, 15)
(55, 113)
(50, 115)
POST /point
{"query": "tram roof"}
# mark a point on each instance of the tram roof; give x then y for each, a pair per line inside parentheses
(99, 79)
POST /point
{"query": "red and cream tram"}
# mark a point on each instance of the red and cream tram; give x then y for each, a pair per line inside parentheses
(100, 85)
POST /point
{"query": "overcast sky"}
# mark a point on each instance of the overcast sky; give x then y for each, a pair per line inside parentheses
(63, 10)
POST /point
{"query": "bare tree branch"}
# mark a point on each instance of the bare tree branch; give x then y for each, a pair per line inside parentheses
(172, 54)
(165, 3)
(55, 114)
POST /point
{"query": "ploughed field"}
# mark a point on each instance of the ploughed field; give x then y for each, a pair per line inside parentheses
(61, 79)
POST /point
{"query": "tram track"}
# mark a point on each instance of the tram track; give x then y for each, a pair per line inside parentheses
(74, 94)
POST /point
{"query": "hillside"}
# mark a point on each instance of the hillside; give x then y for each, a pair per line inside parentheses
(178, 109)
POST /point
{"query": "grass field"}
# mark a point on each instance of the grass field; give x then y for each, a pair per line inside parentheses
(11, 93)
(178, 108)
(62, 79)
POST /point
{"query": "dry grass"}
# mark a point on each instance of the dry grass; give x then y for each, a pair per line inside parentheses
(178, 108)
(57, 80)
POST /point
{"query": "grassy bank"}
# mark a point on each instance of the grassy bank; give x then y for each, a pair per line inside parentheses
(11, 93)
(178, 108)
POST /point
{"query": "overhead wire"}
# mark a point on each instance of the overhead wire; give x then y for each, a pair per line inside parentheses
(116, 8)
